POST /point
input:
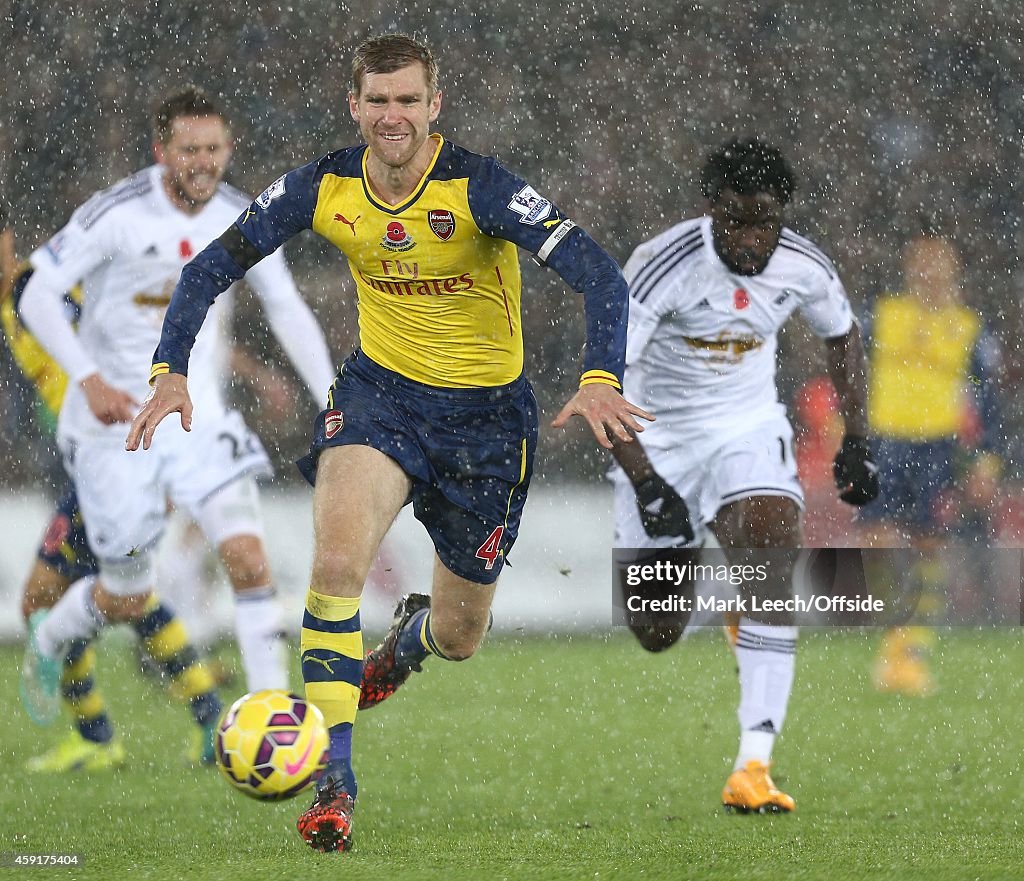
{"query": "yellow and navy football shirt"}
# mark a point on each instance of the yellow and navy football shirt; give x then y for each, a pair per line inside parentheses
(437, 275)
(922, 357)
(39, 368)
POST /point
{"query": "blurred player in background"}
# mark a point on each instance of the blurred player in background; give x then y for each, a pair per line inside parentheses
(707, 298)
(433, 408)
(187, 574)
(64, 557)
(127, 246)
(934, 372)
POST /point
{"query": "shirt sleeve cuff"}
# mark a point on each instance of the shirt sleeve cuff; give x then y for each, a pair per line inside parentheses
(600, 377)
(80, 371)
(158, 369)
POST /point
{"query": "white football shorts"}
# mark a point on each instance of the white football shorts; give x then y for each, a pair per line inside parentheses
(123, 496)
(711, 472)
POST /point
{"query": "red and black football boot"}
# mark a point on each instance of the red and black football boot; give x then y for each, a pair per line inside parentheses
(381, 676)
(327, 825)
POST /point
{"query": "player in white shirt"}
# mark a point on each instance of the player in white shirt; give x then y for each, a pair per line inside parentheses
(127, 245)
(707, 299)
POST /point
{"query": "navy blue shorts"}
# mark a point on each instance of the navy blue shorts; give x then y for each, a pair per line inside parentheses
(913, 477)
(64, 547)
(468, 452)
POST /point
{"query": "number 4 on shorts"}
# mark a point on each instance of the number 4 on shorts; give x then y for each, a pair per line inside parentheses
(491, 548)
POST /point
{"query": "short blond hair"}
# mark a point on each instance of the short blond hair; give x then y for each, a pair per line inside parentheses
(389, 53)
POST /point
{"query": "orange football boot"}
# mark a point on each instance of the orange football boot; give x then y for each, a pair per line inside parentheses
(752, 790)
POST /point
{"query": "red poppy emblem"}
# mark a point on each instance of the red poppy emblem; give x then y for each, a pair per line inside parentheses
(396, 238)
(740, 298)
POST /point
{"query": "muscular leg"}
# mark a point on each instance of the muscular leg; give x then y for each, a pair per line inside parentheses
(232, 523)
(184, 581)
(766, 643)
(359, 492)
(43, 587)
(83, 610)
(450, 624)
(127, 511)
(89, 604)
(657, 631)
(163, 638)
(257, 612)
(763, 523)
(460, 613)
(119, 608)
(245, 560)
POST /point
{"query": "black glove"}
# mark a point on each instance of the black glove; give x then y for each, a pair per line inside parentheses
(662, 510)
(855, 471)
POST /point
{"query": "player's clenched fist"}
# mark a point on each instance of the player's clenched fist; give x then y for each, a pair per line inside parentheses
(662, 510)
(169, 395)
(855, 471)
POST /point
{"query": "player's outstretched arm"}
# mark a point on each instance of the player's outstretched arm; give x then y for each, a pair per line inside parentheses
(169, 395)
(663, 512)
(608, 414)
(847, 368)
(854, 469)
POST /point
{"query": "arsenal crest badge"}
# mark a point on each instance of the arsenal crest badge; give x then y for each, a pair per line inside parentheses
(334, 421)
(442, 223)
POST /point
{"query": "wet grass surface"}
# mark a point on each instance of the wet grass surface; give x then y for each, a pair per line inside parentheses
(571, 758)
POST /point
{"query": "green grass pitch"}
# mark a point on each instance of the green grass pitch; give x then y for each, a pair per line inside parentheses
(572, 758)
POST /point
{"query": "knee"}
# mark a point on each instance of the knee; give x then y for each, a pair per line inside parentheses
(657, 637)
(338, 571)
(42, 589)
(118, 608)
(246, 562)
(455, 650)
(123, 587)
(457, 644)
(772, 522)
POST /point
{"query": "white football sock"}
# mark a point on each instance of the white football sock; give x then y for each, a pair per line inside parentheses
(74, 616)
(182, 581)
(766, 656)
(258, 629)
